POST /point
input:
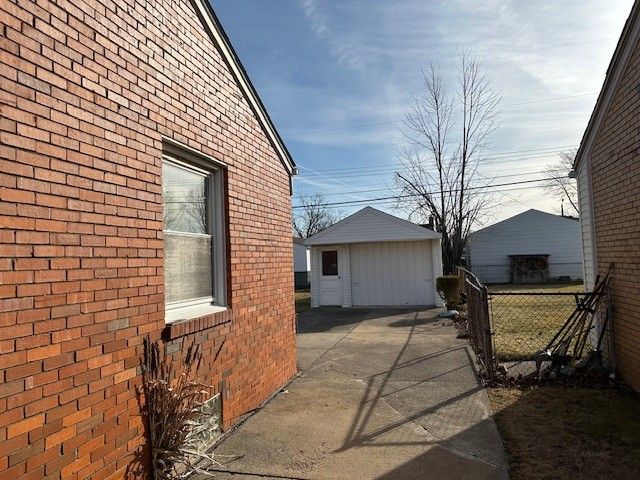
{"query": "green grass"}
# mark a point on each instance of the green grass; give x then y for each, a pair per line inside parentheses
(523, 325)
(555, 433)
(303, 300)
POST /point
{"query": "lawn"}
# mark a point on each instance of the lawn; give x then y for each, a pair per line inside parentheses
(556, 433)
(523, 325)
(303, 300)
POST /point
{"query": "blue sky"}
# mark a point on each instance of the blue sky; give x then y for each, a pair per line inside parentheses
(336, 77)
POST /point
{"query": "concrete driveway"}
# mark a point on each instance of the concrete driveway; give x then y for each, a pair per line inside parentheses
(382, 394)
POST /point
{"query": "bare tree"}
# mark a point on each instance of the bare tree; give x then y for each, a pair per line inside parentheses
(185, 211)
(196, 209)
(313, 215)
(560, 185)
(448, 134)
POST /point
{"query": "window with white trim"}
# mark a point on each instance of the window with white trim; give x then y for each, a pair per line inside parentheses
(194, 266)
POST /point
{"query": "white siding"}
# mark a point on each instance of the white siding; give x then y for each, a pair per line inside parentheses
(392, 273)
(436, 260)
(301, 258)
(529, 233)
(586, 222)
(315, 277)
(344, 269)
(382, 260)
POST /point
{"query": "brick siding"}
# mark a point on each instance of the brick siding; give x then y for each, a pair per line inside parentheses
(88, 90)
(615, 163)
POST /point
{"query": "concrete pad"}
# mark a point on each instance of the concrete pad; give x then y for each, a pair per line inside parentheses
(383, 394)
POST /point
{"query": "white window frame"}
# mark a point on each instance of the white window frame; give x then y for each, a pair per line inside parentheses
(198, 307)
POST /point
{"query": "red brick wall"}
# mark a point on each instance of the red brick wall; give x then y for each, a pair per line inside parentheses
(88, 89)
(615, 163)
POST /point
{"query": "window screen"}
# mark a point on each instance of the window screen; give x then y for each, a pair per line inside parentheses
(329, 262)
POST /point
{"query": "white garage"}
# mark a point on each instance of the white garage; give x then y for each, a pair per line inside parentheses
(372, 258)
(531, 247)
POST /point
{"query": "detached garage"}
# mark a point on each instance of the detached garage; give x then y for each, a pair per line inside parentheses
(372, 258)
(531, 247)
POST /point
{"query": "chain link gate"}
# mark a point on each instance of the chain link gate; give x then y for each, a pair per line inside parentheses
(479, 321)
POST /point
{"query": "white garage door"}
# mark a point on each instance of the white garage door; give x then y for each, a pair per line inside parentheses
(393, 273)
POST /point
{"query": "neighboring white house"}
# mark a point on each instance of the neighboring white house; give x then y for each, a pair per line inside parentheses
(373, 258)
(301, 263)
(531, 247)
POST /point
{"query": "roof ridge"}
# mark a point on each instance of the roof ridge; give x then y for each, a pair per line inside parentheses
(428, 234)
(564, 217)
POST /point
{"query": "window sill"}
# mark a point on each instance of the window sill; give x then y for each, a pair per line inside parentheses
(182, 314)
(194, 319)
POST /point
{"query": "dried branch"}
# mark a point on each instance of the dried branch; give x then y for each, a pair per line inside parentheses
(560, 185)
(440, 177)
(174, 402)
(314, 216)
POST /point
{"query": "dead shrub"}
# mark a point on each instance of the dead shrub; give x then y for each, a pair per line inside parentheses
(174, 401)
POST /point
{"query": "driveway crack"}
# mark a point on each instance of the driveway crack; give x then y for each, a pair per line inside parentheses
(255, 474)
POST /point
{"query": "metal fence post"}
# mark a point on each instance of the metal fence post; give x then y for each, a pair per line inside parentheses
(487, 344)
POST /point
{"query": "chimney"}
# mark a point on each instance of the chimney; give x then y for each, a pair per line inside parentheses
(430, 224)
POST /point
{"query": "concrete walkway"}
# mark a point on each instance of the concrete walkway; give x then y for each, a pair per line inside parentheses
(383, 394)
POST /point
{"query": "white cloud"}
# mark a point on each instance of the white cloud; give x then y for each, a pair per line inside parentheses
(534, 50)
(320, 26)
(312, 12)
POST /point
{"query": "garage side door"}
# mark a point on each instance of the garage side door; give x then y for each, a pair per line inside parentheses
(398, 273)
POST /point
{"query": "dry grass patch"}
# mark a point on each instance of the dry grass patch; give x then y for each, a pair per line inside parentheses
(523, 325)
(560, 433)
(303, 300)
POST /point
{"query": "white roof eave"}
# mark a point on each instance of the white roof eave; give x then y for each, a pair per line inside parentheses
(325, 237)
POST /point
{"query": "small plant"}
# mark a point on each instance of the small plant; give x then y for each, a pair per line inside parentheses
(448, 288)
(174, 402)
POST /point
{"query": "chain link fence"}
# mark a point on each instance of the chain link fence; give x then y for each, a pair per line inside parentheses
(525, 322)
(514, 329)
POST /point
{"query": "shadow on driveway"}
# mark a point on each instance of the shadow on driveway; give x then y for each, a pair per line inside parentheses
(383, 394)
(328, 319)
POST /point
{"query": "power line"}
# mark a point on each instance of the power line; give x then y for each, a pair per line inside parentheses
(388, 170)
(551, 99)
(534, 172)
(551, 150)
(389, 122)
(413, 195)
(394, 199)
(351, 172)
